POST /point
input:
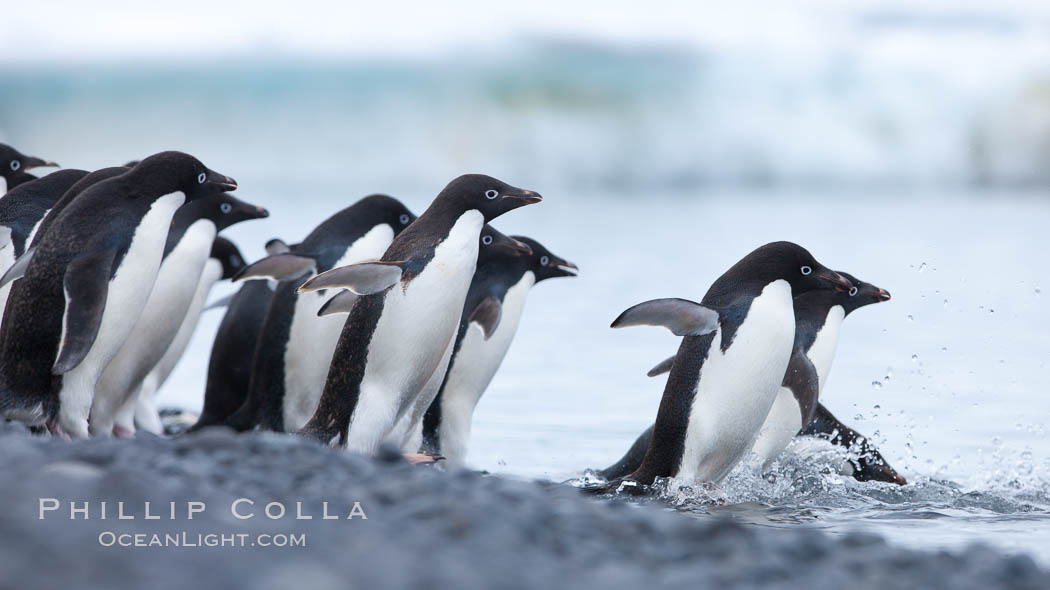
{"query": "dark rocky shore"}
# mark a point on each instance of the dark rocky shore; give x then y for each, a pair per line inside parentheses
(424, 528)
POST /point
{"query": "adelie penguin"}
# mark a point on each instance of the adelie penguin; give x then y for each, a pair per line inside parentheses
(86, 285)
(21, 212)
(487, 326)
(37, 222)
(186, 252)
(14, 166)
(295, 345)
(224, 262)
(484, 306)
(397, 333)
(735, 350)
(232, 350)
(818, 317)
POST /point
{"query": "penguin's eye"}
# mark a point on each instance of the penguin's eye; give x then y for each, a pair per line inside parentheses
(403, 219)
(491, 194)
(15, 164)
(486, 240)
(806, 270)
(201, 178)
(226, 207)
(544, 260)
(853, 291)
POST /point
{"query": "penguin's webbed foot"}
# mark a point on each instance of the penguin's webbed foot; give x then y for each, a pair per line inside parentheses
(422, 458)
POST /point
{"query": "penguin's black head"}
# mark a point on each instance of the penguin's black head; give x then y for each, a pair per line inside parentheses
(861, 294)
(386, 209)
(488, 195)
(14, 163)
(167, 172)
(228, 255)
(789, 262)
(492, 244)
(225, 210)
(544, 264)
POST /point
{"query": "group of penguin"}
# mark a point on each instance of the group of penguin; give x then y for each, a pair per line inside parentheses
(379, 327)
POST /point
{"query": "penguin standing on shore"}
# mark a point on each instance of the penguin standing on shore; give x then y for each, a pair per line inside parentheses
(487, 326)
(818, 317)
(487, 309)
(86, 285)
(295, 345)
(399, 330)
(188, 248)
(21, 212)
(223, 263)
(17, 268)
(14, 166)
(232, 350)
(736, 348)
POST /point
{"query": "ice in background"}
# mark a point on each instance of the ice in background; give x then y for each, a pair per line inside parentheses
(909, 146)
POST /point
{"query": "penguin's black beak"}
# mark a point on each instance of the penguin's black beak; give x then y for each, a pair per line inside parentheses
(254, 212)
(563, 268)
(882, 294)
(30, 162)
(223, 182)
(833, 279)
(523, 198)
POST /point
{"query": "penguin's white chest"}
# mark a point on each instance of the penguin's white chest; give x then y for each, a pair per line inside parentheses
(420, 319)
(7, 258)
(737, 387)
(312, 339)
(474, 367)
(822, 352)
(3, 186)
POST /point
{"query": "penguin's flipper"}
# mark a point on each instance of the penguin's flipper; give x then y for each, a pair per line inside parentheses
(341, 303)
(662, 367)
(487, 315)
(277, 246)
(18, 269)
(86, 284)
(279, 267)
(681, 316)
(364, 278)
(223, 302)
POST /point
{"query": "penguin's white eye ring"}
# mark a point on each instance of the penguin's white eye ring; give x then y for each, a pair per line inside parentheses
(403, 219)
(544, 260)
(491, 194)
(225, 207)
(806, 270)
(486, 240)
(15, 164)
(853, 291)
(201, 178)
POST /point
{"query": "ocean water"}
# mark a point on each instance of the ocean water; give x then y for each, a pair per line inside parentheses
(660, 168)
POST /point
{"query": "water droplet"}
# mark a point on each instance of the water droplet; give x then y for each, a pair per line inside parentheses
(1038, 291)
(876, 407)
(914, 358)
(911, 318)
(922, 267)
(876, 384)
(859, 417)
(944, 349)
(990, 310)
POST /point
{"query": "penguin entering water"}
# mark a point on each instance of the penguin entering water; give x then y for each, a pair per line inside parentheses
(487, 326)
(399, 331)
(13, 167)
(295, 346)
(21, 211)
(818, 316)
(230, 362)
(187, 250)
(223, 263)
(86, 286)
(736, 347)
